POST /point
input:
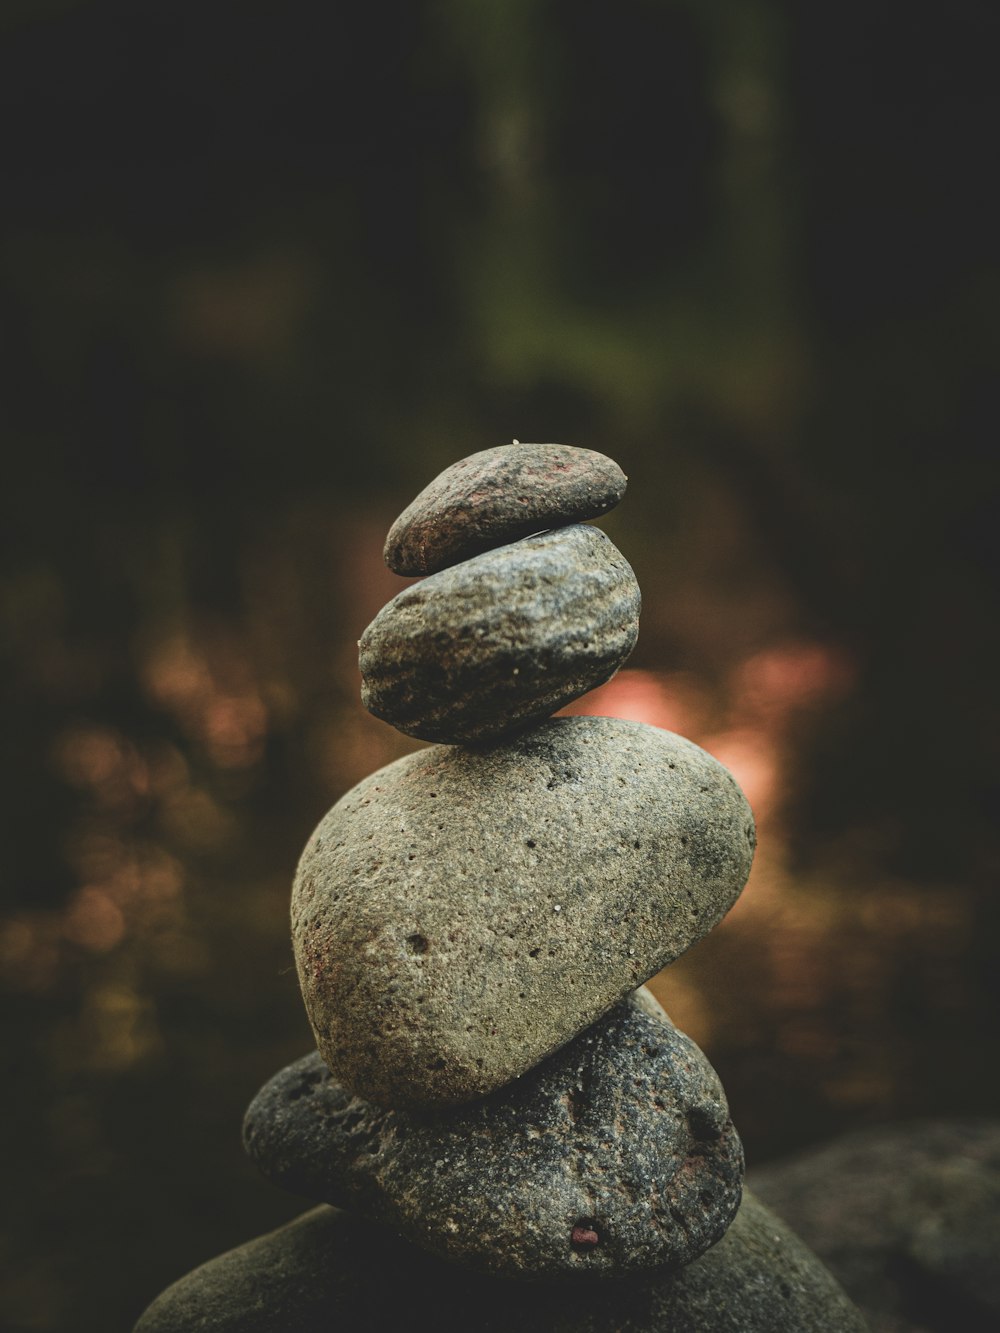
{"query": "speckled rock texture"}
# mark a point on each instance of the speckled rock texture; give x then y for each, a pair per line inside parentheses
(501, 640)
(614, 1155)
(460, 914)
(497, 496)
(329, 1271)
(908, 1218)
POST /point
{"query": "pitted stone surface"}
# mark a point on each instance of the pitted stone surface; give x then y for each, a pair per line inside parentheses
(329, 1271)
(497, 496)
(615, 1155)
(503, 639)
(460, 914)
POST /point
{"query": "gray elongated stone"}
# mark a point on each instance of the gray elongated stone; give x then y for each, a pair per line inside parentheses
(328, 1270)
(615, 1155)
(460, 914)
(501, 640)
(496, 496)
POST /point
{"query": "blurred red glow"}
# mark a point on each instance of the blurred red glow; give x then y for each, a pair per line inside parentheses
(672, 701)
(790, 676)
(754, 761)
(675, 702)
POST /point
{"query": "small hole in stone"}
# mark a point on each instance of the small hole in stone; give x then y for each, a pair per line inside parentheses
(531, 843)
(306, 1085)
(533, 953)
(705, 1123)
(416, 944)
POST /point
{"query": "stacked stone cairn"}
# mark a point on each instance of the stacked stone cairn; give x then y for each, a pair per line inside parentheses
(510, 1130)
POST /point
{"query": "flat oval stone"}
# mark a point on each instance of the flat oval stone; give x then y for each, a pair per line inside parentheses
(496, 496)
(615, 1155)
(328, 1270)
(460, 914)
(503, 639)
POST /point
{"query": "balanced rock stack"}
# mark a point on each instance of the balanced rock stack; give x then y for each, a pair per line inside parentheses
(495, 1096)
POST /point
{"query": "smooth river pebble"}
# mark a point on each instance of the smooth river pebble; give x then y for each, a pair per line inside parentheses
(496, 496)
(501, 640)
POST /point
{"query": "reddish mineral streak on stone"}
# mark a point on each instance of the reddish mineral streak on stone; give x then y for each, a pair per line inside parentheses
(492, 498)
(584, 1236)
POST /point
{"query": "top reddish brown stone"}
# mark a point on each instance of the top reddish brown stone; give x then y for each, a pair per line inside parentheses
(498, 496)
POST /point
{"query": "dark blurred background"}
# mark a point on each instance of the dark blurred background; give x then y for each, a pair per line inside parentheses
(267, 268)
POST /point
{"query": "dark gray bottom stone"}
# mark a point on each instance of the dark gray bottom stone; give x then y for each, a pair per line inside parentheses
(615, 1154)
(327, 1272)
(908, 1218)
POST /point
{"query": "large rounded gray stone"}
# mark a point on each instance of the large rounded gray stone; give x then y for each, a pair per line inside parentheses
(496, 496)
(503, 639)
(460, 914)
(615, 1155)
(329, 1271)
